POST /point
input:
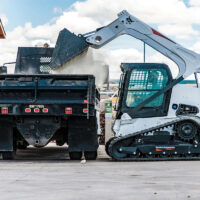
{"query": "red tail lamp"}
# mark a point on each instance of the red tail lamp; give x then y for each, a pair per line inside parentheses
(27, 110)
(68, 110)
(4, 110)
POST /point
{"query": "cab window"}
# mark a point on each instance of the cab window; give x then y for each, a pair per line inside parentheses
(143, 84)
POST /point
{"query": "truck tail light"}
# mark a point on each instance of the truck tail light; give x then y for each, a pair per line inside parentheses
(85, 110)
(36, 110)
(27, 110)
(45, 110)
(68, 110)
(4, 110)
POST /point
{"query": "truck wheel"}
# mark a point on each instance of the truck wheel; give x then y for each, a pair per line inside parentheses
(75, 155)
(8, 155)
(90, 155)
(60, 143)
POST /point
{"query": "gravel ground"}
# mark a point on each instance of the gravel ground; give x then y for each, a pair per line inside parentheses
(49, 174)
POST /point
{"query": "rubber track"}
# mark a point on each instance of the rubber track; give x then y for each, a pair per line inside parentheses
(195, 119)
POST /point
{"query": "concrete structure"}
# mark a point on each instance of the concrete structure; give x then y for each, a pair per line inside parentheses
(2, 31)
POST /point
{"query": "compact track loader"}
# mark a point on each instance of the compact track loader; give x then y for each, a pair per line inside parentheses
(157, 118)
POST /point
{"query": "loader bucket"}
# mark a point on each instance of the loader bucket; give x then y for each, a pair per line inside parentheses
(68, 46)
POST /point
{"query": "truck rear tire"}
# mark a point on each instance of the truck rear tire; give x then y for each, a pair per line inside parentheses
(90, 155)
(75, 155)
(60, 143)
(8, 155)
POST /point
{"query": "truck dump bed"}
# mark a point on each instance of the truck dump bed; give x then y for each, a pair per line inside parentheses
(54, 92)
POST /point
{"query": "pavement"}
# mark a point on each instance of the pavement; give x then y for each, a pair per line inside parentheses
(47, 173)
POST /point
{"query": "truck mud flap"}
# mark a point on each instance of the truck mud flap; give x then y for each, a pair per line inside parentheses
(6, 136)
(82, 134)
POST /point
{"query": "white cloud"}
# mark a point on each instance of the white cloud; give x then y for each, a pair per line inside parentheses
(196, 47)
(159, 58)
(115, 57)
(182, 31)
(154, 11)
(194, 2)
(4, 19)
(58, 10)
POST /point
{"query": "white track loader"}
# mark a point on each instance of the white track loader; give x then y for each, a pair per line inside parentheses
(157, 118)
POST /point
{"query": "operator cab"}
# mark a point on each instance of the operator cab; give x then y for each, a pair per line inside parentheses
(138, 82)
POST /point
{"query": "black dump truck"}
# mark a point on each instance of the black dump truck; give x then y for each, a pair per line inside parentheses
(37, 107)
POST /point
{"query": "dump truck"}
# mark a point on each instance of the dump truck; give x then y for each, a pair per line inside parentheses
(37, 107)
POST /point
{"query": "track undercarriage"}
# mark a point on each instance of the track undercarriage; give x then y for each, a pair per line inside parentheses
(175, 140)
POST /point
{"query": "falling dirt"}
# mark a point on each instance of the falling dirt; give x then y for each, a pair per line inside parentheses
(86, 64)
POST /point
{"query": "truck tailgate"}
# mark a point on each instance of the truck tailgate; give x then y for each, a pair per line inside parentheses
(55, 93)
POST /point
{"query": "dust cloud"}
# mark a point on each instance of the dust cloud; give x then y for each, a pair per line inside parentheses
(86, 64)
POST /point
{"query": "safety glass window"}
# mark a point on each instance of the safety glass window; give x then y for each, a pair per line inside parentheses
(143, 84)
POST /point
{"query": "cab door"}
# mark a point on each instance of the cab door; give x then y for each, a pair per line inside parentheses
(143, 81)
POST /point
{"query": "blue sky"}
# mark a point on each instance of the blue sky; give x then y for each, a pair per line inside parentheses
(37, 12)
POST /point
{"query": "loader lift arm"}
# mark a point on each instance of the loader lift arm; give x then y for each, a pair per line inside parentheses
(187, 60)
